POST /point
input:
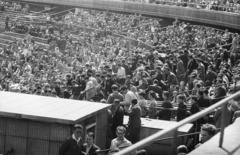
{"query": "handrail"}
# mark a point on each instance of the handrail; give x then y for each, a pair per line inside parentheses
(192, 118)
(62, 11)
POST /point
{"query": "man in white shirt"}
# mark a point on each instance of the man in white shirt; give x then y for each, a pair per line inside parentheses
(120, 142)
(93, 79)
(90, 88)
(121, 74)
(128, 96)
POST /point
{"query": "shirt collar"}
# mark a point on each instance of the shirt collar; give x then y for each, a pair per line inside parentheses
(73, 137)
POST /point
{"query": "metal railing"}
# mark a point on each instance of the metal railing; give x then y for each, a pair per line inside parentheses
(173, 130)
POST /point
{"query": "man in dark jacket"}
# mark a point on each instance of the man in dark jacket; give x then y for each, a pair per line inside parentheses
(185, 59)
(134, 122)
(157, 89)
(89, 146)
(171, 77)
(220, 91)
(165, 114)
(182, 108)
(203, 102)
(74, 144)
(117, 117)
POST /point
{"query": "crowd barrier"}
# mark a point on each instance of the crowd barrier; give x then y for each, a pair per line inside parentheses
(226, 19)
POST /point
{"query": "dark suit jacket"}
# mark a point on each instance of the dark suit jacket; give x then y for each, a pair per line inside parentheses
(166, 114)
(185, 60)
(71, 147)
(172, 79)
(117, 118)
(204, 102)
(192, 65)
(92, 150)
(135, 117)
(181, 112)
(220, 92)
(194, 108)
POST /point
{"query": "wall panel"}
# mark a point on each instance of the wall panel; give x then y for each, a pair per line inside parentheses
(59, 132)
(37, 147)
(17, 143)
(38, 130)
(16, 127)
(54, 147)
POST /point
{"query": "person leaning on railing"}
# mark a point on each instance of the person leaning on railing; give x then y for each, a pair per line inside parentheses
(207, 132)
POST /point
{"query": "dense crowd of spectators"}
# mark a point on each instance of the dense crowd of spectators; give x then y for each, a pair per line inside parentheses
(217, 5)
(186, 64)
(206, 57)
(14, 6)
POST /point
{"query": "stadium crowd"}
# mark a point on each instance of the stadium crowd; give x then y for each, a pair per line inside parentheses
(232, 6)
(183, 67)
(14, 6)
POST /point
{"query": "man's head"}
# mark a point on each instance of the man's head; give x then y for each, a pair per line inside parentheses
(119, 65)
(90, 138)
(155, 82)
(182, 149)
(120, 132)
(114, 88)
(200, 93)
(77, 130)
(167, 70)
(134, 101)
(166, 95)
(180, 98)
(207, 132)
(124, 90)
(194, 99)
(141, 95)
(116, 102)
(86, 79)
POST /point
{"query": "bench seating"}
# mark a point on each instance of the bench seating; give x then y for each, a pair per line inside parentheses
(10, 37)
(37, 39)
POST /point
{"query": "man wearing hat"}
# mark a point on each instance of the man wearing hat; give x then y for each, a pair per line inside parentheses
(38, 90)
(74, 144)
(108, 84)
(117, 116)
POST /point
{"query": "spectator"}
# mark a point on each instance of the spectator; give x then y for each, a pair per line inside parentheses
(134, 122)
(128, 96)
(182, 108)
(207, 132)
(117, 117)
(152, 113)
(165, 114)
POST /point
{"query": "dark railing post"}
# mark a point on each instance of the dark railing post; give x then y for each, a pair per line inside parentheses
(174, 142)
(235, 89)
(223, 123)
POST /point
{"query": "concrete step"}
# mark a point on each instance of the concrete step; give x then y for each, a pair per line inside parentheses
(18, 35)
(231, 142)
(5, 41)
(12, 37)
(2, 45)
